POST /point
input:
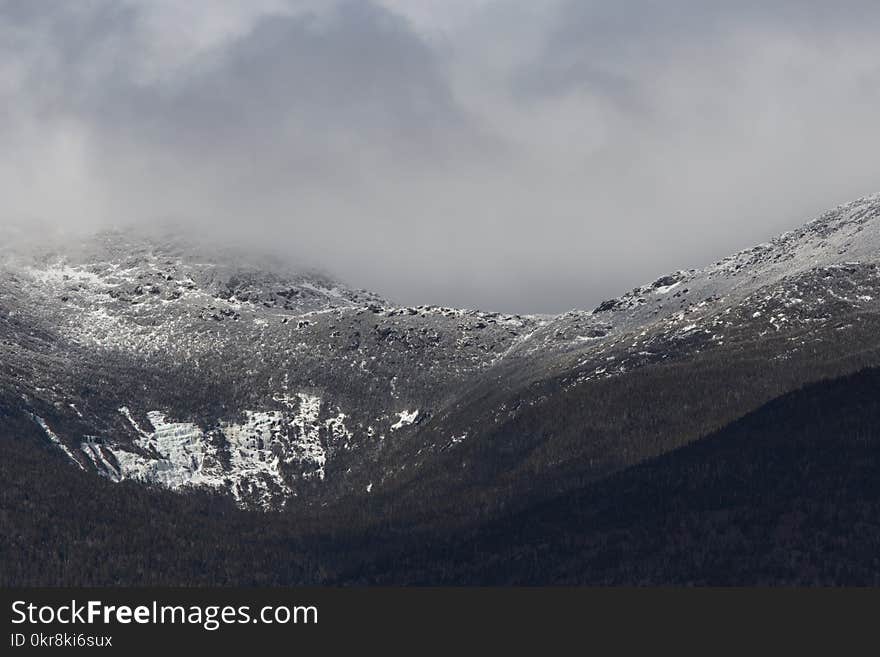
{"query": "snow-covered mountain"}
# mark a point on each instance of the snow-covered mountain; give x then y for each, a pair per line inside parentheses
(142, 359)
(152, 360)
(803, 278)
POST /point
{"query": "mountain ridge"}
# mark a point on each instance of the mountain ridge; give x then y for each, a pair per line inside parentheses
(277, 386)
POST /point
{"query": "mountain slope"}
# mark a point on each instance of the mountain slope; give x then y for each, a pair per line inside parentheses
(60, 526)
(143, 361)
(663, 365)
(789, 494)
(150, 359)
(786, 495)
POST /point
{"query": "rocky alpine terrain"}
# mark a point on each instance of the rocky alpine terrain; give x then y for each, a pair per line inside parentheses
(150, 361)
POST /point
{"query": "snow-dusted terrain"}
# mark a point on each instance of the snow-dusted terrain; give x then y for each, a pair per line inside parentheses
(236, 376)
(150, 360)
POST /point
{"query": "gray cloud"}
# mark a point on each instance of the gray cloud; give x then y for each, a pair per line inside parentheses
(513, 155)
(611, 46)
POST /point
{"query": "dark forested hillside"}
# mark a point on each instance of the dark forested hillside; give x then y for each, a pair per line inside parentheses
(789, 494)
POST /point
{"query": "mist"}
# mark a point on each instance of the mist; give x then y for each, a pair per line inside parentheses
(506, 155)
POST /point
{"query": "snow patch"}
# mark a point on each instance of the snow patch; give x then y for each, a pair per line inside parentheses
(55, 440)
(92, 449)
(250, 459)
(406, 418)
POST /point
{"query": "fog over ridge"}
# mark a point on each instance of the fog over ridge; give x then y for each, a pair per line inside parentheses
(479, 153)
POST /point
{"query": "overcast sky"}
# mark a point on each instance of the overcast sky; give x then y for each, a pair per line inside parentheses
(505, 154)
